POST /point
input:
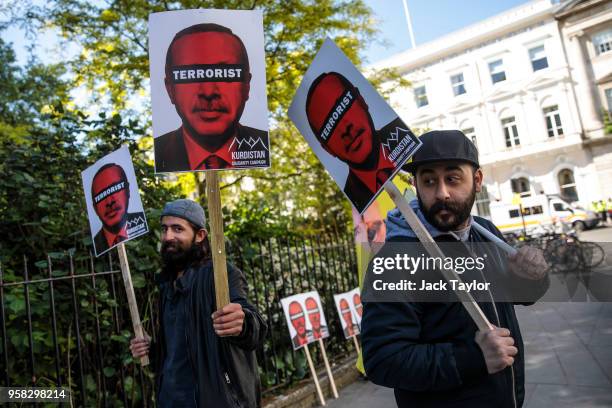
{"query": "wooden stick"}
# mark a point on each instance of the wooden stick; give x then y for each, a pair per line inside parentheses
(332, 382)
(131, 297)
(217, 241)
(314, 375)
(434, 251)
(356, 344)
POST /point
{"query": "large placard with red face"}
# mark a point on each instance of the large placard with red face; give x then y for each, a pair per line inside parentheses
(113, 201)
(350, 311)
(208, 90)
(359, 139)
(305, 318)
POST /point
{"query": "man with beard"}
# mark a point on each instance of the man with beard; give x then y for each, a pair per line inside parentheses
(110, 192)
(203, 357)
(208, 82)
(433, 354)
(350, 135)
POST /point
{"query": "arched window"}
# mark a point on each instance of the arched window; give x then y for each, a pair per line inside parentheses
(482, 203)
(521, 186)
(567, 185)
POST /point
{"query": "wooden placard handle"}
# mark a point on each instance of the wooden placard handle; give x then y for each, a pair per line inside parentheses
(434, 251)
(313, 372)
(131, 297)
(356, 344)
(332, 382)
(217, 241)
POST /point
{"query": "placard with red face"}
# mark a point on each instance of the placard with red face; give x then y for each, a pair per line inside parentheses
(350, 311)
(355, 134)
(113, 201)
(208, 90)
(305, 318)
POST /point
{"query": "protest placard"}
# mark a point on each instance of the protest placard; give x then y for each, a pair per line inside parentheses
(113, 202)
(116, 216)
(208, 90)
(355, 134)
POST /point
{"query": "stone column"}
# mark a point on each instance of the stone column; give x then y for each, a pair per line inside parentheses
(585, 92)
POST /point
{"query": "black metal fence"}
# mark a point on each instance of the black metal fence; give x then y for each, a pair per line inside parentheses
(64, 321)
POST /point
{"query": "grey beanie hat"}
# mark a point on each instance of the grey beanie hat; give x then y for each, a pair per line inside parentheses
(186, 209)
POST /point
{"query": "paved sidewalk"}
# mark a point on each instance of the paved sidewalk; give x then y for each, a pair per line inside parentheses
(568, 349)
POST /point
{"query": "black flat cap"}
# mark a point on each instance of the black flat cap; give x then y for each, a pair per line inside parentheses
(443, 145)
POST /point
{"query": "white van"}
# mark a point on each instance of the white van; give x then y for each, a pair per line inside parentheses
(540, 210)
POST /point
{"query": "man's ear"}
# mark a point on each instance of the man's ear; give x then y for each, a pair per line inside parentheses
(478, 176)
(169, 89)
(201, 235)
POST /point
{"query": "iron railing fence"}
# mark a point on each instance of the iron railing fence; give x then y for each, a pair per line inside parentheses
(64, 320)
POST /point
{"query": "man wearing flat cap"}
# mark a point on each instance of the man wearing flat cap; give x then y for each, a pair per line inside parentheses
(203, 357)
(431, 352)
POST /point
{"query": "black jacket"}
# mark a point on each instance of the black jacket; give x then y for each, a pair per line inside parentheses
(224, 368)
(427, 351)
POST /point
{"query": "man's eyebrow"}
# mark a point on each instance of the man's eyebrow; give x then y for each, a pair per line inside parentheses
(172, 225)
(454, 168)
(426, 171)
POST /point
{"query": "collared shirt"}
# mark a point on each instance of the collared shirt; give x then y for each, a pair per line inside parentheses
(197, 155)
(374, 178)
(178, 381)
(113, 239)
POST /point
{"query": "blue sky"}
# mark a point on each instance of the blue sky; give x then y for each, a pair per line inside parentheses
(430, 19)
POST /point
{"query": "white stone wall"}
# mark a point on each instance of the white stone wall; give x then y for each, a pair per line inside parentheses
(524, 94)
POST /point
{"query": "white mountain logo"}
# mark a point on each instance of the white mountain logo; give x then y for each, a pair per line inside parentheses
(393, 140)
(251, 142)
(137, 221)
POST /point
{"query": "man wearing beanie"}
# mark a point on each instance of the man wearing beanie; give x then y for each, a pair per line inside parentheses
(430, 351)
(203, 357)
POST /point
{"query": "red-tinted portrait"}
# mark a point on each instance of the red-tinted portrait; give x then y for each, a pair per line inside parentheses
(298, 320)
(208, 82)
(339, 118)
(110, 196)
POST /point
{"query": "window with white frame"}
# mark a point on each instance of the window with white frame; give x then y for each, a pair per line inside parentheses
(603, 41)
(420, 96)
(521, 186)
(553, 121)
(510, 131)
(496, 68)
(609, 98)
(483, 203)
(458, 84)
(537, 55)
(567, 185)
(470, 134)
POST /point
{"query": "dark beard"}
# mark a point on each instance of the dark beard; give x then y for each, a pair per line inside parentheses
(461, 211)
(175, 261)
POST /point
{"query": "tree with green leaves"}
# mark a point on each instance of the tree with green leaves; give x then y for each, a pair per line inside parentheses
(113, 65)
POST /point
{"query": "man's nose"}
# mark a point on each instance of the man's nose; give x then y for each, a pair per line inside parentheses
(208, 90)
(347, 135)
(442, 192)
(167, 235)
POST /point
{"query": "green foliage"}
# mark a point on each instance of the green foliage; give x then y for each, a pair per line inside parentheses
(46, 140)
(113, 65)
